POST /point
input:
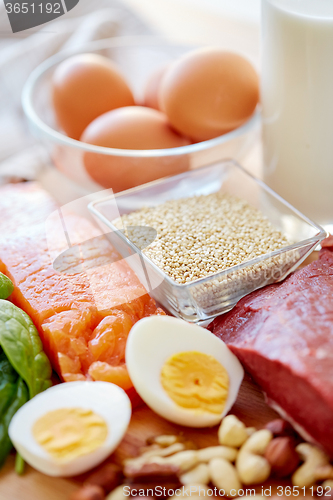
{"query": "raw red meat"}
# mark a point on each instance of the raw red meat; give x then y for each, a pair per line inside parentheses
(283, 335)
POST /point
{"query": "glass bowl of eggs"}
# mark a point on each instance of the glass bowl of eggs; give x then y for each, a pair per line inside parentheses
(121, 112)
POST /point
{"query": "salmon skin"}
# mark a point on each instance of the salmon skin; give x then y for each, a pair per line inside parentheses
(83, 316)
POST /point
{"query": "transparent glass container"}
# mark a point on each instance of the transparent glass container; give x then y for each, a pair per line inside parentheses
(137, 58)
(201, 300)
(297, 104)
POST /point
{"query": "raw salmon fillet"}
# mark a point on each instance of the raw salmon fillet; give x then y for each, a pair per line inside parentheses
(283, 335)
(83, 309)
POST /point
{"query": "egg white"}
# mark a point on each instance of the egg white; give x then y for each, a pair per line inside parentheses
(150, 344)
(105, 399)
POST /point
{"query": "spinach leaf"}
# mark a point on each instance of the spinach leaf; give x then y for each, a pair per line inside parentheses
(6, 286)
(13, 394)
(21, 343)
(8, 379)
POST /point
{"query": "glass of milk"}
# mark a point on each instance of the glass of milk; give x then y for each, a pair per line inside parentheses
(297, 99)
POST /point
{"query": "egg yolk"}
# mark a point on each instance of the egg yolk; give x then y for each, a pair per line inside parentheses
(68, 433)
(196, 381)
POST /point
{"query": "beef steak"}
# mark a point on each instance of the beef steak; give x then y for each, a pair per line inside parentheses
(283, 335)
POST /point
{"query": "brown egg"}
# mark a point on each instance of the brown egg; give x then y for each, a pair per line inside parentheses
(138, 128)
(209, 92)
(153, 86)
(84, 87)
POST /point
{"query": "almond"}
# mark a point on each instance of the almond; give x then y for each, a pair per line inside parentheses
(148, 488)
(89, 492)
(107, 477)
(152, 472)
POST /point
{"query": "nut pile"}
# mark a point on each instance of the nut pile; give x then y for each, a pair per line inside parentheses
(245, 456)
(201, 235)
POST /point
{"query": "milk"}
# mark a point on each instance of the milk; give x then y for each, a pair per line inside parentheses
(297, 98)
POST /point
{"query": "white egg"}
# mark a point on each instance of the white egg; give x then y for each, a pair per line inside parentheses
(150, 344)
(105, 399)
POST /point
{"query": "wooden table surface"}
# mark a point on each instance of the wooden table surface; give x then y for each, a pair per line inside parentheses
(183, 22)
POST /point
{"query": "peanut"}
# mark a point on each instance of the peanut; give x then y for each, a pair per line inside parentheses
(117, 494)
(207, 454)
(146, 488)
(280, 428)
(328, 488)
(232, 432)
(250, 431)
(194, 490)
(282, 456)
(224, 476)
(200, 474)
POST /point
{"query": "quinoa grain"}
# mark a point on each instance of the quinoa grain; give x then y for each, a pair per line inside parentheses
(202, 235)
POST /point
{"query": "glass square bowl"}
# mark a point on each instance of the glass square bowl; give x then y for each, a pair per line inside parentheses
(201, 300)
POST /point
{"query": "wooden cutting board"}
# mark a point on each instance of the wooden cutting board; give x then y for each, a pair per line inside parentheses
(250, 408)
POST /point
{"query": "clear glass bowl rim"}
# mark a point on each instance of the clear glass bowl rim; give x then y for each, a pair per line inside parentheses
(316, 239)
(49, 133)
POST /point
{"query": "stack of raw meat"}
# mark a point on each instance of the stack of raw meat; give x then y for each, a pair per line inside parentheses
(283, 335)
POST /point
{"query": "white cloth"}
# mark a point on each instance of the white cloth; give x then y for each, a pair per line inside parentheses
(20, 153)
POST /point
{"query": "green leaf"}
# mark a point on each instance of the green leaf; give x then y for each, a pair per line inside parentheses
(18, 398)
(6, 286)
(21, 343)
(8, 389)
(19, 465)
(8, 381)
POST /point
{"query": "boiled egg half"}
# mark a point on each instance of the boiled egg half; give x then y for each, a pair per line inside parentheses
(182, 371)
(72, 427)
